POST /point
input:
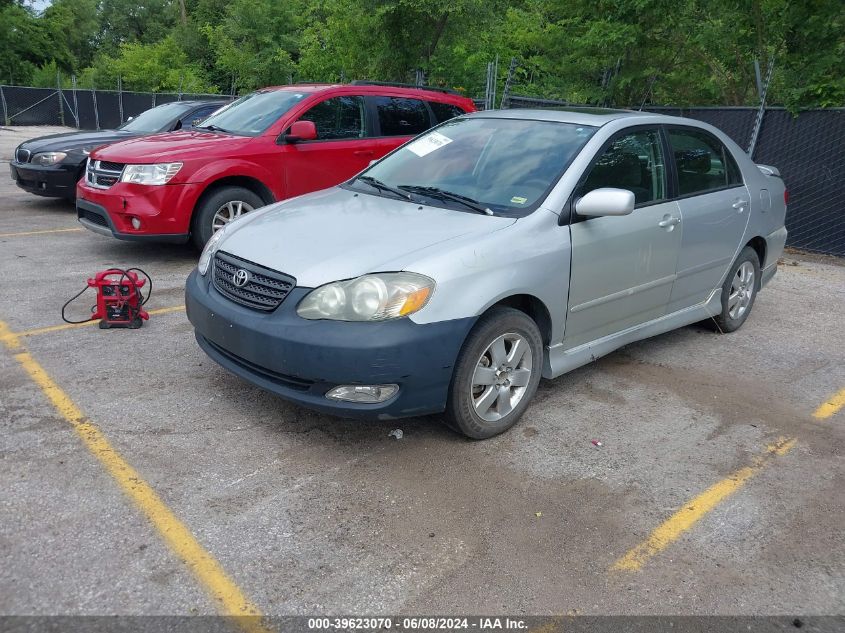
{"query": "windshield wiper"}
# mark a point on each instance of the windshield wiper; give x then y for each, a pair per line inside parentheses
(378, 184)
(213, 128)
(442, 194)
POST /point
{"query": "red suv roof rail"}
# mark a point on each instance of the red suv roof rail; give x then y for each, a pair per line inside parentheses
(365, 82)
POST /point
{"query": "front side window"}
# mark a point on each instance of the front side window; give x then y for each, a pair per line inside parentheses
(634, 162)
(401, 117)
(702, 162)
(505, 165)
(252, 114)
(337, 118)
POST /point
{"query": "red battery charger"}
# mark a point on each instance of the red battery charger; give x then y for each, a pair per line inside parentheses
(120, 302)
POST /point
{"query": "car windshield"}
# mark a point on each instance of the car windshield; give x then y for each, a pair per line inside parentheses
(503, 166)
(157, 119)
(254, 113)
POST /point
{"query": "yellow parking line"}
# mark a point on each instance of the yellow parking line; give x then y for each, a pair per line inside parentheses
(73, 326)
(696, 509)
(831, 406)
(228, 597)
(23, 233)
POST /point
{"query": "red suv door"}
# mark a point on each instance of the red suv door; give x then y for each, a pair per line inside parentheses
(343, 147)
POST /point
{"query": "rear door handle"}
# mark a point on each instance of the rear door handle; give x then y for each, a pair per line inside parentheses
(668, 221)
(363, 152)
(740, 205)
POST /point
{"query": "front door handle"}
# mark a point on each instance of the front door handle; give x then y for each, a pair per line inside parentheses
(668, 221)
(740, 205)
(363, 152)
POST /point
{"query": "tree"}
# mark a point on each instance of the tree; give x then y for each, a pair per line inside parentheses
(158, 67)
(257, 42)
(24, 43)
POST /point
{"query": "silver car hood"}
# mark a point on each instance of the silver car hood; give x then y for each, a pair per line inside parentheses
(340, 234)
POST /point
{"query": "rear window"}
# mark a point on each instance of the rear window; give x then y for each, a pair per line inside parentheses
(444, 111)
(401, 117)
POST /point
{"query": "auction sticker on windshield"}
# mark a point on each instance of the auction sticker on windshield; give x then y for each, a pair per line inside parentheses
(429, 143)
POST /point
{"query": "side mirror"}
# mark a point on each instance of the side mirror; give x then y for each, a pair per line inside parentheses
(300, 131)
(605, 201)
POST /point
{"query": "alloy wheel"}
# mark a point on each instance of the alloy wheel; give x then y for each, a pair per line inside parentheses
(501, 377)
(742, 290)
(228, 212)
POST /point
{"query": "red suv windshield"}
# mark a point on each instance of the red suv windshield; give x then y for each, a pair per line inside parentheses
(254, 113)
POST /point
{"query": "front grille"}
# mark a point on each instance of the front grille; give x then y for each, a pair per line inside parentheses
(291, 382)
(23, 155)
(102, 173)
(92, 217)
(264, 290)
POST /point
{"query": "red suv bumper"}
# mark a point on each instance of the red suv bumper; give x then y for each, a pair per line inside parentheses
(161, 213)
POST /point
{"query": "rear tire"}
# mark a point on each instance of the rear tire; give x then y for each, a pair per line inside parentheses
(496, 375)
(739, 291)
(219, 207)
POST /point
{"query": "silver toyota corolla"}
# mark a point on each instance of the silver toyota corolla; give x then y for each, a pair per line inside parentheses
(495, 249)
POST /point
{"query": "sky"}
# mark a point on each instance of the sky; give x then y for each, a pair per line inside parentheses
(39, 5)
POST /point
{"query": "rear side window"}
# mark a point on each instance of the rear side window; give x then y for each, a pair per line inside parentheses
(702, 161)
(401, 117)
(444, 111)
(634, 162)
(337, 118)
(198, 115)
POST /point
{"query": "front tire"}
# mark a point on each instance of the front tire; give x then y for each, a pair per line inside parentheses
(220, 207)
(496, 375)
(739, 291)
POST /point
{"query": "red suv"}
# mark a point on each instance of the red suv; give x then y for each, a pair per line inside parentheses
(269, 145)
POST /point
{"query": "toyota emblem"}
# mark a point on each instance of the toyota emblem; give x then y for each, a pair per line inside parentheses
(240, 277)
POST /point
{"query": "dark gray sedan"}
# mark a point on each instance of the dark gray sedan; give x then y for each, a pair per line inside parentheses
(51, 165)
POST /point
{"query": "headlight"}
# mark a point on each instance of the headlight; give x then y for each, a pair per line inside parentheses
(159, 174)
(375, 297)
(48, 158)
(209, 250)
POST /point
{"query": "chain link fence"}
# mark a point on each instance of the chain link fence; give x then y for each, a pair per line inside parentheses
(82, 109)
(808, 149)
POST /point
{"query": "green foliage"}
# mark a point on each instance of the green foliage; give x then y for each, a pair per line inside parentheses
(612, 52)
(24, 43)
(159, 67)
(256, 42)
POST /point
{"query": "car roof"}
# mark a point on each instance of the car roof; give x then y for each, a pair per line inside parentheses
(201, 102)
(369, 89)
(578, 116)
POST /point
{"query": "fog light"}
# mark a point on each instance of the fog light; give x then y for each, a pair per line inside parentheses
(136, 223)
(362, 393)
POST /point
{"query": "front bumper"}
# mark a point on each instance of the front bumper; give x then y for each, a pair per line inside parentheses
(163, 211)
(301, 360)
(53, 181)
(95, 218)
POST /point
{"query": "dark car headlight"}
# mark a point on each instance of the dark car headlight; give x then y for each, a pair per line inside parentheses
(48, 158)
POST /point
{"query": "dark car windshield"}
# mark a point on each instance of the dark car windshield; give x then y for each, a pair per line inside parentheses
(157, 119)
(254, 113)
(504, 165)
